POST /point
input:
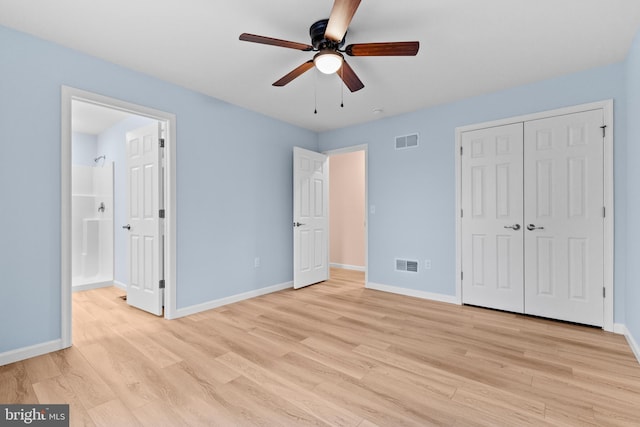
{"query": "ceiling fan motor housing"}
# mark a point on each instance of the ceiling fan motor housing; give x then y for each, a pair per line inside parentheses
(318, 41)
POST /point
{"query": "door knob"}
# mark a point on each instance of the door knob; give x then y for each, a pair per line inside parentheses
(298, 224)
(532, 227)
(127, 227)
(514, 226)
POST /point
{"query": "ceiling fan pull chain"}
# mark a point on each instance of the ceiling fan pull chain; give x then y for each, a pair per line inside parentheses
(315, 95)
(341, 87)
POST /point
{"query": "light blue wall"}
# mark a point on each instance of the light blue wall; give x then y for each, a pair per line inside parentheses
(234, 191)
(83, 149)
(112, 143)
(633, 193)
(414, 190)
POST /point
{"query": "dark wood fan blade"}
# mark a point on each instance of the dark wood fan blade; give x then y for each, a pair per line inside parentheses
(340, 18)
(274, 42)
(297, 72)
(383, 49)
(349, 77)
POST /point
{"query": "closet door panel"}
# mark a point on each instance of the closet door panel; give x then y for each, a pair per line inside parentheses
(563, 216)
(492, 204)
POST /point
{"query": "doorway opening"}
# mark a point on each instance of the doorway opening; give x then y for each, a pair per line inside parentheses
(348, 229)
(95, 129)
(99, 194)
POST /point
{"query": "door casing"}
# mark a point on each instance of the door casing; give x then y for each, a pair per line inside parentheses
(607, 107)
(69, 94)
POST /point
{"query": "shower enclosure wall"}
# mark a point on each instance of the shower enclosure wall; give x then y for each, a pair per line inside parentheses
(92, 226)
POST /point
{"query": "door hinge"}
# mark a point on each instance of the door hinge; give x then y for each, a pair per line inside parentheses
(161, 142)
(604, 292)
(604, 212)
(461, 150)
(161, 213)
(603, 130)
(162, 284)
(461, 275)
(461, 213)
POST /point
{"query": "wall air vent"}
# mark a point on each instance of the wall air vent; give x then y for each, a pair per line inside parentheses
(406, 265)
(406, 141)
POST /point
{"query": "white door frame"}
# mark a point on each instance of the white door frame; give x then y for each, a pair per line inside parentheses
(607, 107)
(353, 149)
(70, 94)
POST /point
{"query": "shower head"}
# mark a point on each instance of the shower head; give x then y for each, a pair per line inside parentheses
(103, 157)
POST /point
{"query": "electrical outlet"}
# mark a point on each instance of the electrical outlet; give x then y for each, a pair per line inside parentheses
(256, 262)
(427, 264)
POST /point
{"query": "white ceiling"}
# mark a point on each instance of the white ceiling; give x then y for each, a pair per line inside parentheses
(93, 119)
(468, 47)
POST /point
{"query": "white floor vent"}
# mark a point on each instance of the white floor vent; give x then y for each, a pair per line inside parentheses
(406, 265)
(406, 141)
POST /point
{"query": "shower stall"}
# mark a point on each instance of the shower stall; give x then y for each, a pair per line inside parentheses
(92, 225)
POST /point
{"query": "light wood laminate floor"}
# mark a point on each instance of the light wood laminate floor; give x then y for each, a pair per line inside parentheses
(330, 354)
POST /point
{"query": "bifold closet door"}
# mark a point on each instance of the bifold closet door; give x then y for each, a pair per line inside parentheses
(492, 213)
(564, 225)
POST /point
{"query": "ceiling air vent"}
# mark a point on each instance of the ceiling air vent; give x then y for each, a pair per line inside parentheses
(406, 141)
(406, 265)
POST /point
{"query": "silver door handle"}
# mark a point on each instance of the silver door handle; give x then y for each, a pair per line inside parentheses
(126, 227)
(532, 227)
(514, 226)
(298, 224)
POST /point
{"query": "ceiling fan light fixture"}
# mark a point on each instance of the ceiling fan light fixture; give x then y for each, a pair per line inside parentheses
(328, 61)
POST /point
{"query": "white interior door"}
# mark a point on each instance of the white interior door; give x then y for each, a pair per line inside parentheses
(145, 235)
(310, 217)
(564, 188)
(492, 228)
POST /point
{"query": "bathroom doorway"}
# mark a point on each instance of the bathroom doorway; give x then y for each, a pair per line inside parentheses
(95, 242)
(99, 194)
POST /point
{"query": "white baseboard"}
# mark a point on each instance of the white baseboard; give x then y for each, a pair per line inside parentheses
(451, 299)
(186, 311)
(89, 286)
(120, 285)
(619, 328)
(633, 344)
(348, 267)
(29, 352)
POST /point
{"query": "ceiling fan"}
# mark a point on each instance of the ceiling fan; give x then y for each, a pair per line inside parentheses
(328, 38)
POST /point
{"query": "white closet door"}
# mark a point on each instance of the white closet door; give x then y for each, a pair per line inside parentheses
(564, 245)
(492, 229)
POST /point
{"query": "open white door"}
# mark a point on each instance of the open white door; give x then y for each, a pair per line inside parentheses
(310, 217)
(144, 289)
